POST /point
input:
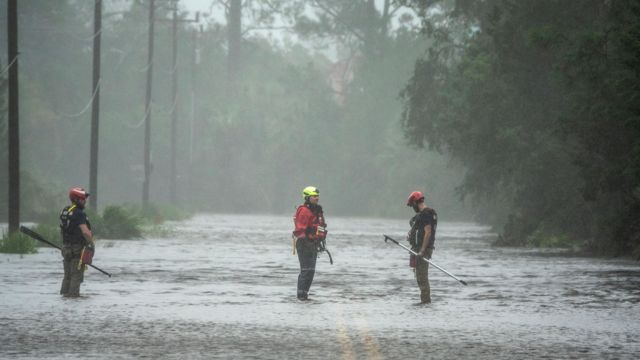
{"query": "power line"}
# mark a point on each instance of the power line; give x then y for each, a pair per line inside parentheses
(95, 91)
(6, 69)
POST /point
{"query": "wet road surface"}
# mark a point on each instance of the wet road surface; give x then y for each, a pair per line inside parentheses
(223, 286)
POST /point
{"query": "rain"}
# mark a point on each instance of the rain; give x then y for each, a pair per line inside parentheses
(199, 132)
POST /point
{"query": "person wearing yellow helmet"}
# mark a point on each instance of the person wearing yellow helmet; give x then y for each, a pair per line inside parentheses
(309, 231)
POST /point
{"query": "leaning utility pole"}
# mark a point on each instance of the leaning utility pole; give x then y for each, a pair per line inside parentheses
(95, 110)
(14, 129)
(147, 110)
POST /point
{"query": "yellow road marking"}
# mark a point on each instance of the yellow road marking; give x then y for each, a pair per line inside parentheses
(346, 345)
(369, 342)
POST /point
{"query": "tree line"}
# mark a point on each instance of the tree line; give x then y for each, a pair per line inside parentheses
(540, 101)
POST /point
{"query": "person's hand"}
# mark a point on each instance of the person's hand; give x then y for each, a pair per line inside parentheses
(421, 253)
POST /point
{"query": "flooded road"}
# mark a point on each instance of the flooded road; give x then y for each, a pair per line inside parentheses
(224, 286)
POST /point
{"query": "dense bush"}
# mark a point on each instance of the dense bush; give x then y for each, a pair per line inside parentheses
(117, 223)
(50, 232)
(17, 243)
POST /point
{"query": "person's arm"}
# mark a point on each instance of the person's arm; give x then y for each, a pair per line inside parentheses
(88, 235)
(425, 240)
(301, 223)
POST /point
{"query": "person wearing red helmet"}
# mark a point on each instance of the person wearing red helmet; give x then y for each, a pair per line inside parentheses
(422, 237)
(76, 235)
(310, 230)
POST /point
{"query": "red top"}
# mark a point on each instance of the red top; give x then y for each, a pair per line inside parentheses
(303, 220)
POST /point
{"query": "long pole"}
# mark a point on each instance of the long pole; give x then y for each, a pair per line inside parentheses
(39, 237)
(95, 110)
(425, 259)
(13, 128)
(147, 109)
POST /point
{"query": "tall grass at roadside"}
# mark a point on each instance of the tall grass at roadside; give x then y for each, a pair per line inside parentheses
(17, 243)
(115, 222)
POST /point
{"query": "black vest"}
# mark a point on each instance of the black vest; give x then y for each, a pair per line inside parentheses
(425, 217)
(71, 217)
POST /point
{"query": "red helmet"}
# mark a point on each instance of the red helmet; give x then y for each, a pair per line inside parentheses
(78, 193)
(414, 198)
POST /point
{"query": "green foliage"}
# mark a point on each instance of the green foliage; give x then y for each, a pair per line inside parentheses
(117, 223)
(543, 239)
(539, 102)
(49, 231)
(17, 243)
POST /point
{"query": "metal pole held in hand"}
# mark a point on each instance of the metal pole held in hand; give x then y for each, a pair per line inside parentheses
(386, 238)
(38, 237)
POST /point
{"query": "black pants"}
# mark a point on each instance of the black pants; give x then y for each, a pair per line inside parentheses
(307, 255)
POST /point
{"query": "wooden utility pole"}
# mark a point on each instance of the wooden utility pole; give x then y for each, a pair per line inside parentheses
(174, 97)
(234, 41)
(192, 119)
(14, 129)
(194, 61)
(95, 106)
(147, 109)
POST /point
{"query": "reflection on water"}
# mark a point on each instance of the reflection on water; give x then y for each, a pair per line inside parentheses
(225, 288)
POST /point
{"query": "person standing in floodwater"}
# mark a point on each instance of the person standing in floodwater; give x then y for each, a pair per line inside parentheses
(76, 236)
(422, 237)
(309, 231)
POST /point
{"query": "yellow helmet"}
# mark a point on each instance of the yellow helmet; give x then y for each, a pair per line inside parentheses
(310, 191)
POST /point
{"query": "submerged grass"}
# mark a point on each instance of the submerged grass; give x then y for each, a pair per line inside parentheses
(542, 240)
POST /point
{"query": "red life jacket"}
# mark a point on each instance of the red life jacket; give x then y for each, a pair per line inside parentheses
(309, 222)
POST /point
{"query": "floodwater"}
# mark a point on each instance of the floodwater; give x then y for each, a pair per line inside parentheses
(223, 286)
